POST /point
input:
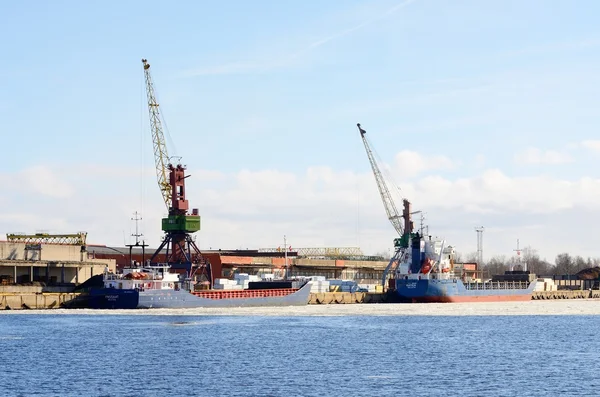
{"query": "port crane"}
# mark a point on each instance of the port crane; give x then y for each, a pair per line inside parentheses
(181, 251)
(401, 223)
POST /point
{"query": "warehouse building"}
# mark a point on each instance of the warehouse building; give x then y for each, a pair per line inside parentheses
(49, 259)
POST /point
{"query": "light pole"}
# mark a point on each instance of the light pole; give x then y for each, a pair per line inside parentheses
(285, 256)
(479, 231)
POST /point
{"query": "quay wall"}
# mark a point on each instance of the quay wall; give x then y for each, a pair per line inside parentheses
(28, 300)
(325, 298)
(47, 300)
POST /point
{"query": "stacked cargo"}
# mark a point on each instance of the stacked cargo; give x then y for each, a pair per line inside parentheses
(545, 284)
(240, 281)
(318, 283)
(319, 286)
(243, 279)
(226, 284)
(370, 287)
(342, 286)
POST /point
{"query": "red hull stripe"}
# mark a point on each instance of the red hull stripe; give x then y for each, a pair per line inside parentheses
(242, 294)
(482, 298)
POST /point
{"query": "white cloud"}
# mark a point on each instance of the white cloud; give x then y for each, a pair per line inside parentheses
(38, 180)
(409, 163)
(538, 156)
(321, 206)
(593, 145)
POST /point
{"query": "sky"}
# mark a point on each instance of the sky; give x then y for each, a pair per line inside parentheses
(480, 113)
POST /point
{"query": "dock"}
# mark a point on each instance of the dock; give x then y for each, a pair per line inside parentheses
(327, 298)
(55, 300)
(33, 300)
(566, 294)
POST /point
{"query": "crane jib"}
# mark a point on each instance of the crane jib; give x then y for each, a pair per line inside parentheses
(388, 203)
(161, 156)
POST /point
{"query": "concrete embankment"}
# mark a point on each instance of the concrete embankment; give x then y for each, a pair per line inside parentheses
(33, 300)
(54, 300)
(325, 298)
(566, 294)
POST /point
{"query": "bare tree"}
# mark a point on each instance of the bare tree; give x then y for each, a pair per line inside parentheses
(472, 257)
(531, 259)
(544, 268)
(564, 264)
(579, 264)
(496, 265)
(385, 255)
(458, 257)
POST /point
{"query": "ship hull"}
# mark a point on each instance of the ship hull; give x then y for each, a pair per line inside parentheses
(113, 298)
(453, 290)
(171, 299)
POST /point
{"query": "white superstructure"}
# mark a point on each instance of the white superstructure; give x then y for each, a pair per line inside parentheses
(145, 278)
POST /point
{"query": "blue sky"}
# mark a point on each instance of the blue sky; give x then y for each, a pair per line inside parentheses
(261, 93)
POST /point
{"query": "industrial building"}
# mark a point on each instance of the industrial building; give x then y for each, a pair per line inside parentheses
(68, 259)
(51, 259)
(339, 263)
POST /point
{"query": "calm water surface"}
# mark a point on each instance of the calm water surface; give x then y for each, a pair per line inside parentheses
(104, 355)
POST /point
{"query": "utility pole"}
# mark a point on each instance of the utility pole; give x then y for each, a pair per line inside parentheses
(137, 235)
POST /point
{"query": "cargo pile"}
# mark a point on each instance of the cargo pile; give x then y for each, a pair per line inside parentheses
(545, 284)
(240, 281)
(321, 285)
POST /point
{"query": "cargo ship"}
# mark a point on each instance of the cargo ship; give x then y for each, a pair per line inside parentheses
(422, 269)
(425, 271)
(156, 287)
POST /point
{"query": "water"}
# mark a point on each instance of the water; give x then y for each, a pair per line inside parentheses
(298, 355)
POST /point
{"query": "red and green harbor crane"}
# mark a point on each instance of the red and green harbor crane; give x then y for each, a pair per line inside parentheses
(178, 247)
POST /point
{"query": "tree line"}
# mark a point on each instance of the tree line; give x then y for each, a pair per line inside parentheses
(564, 263)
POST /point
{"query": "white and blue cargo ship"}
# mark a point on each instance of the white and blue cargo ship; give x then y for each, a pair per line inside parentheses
(426, 272)
(156, 287)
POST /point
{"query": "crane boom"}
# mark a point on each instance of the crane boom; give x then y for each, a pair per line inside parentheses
(161, 156)
(390, 208)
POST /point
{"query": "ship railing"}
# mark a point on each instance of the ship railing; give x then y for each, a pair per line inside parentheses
(496, 285)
